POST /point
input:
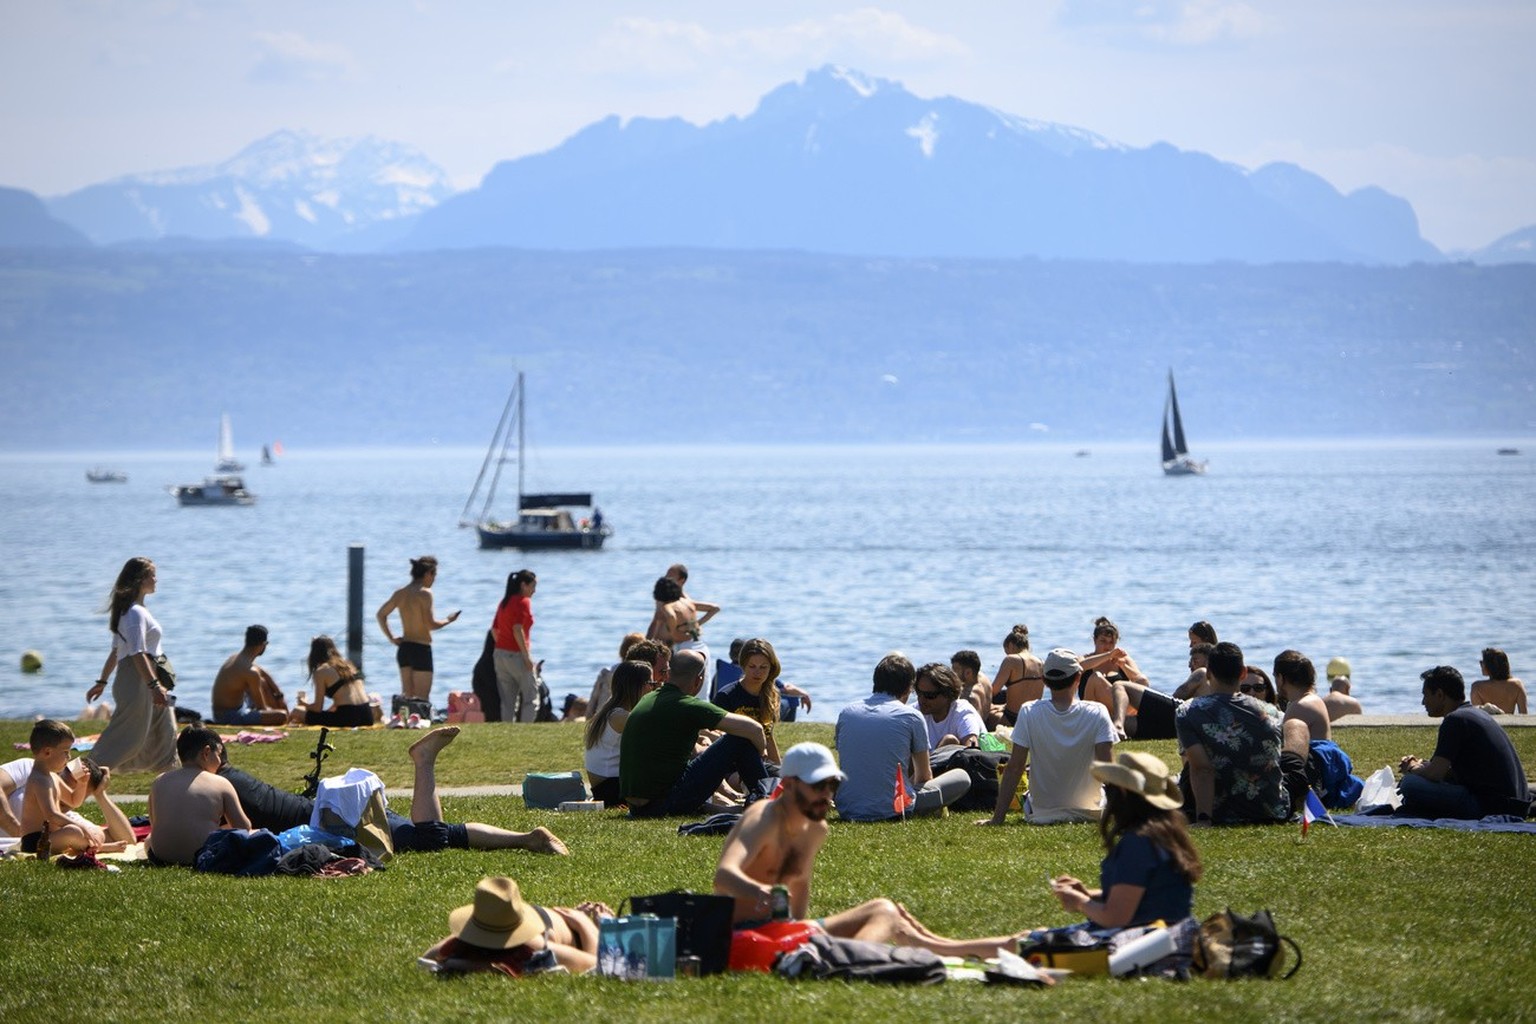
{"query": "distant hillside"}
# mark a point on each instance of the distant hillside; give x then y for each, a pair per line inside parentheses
(24, 222)
(1515, 247)
(671, 345)
(290, 187)
(844, 163)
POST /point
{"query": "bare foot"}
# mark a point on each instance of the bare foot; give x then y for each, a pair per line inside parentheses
(424, 750)
(542, 840)
(596, 910)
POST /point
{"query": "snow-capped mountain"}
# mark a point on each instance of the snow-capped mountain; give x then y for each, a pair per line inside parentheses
(843, 162)
(288, 187)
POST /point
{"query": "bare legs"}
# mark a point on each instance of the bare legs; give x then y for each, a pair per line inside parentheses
(882, 920)
(415, 683)
(425, 805)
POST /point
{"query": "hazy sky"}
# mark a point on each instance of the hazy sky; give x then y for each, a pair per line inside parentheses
(1421, 97)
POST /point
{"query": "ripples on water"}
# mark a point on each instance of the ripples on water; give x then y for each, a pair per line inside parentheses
(1395, 557)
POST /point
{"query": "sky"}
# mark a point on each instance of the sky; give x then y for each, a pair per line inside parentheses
(1419, 97)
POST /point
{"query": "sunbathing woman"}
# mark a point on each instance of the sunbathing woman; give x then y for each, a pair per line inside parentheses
(629, 681)
(337, 678)
(501, 932)
(1020, 678)
(1500, 690)
(1152, 865)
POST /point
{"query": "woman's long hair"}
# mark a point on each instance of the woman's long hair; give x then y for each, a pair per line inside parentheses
(629, 680)
(322, 651)
(768, 696)
(515, 582)
(1125, 811)
(125, 592)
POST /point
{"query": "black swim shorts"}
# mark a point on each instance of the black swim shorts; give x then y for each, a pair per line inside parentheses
(427, 836)
(410, 654)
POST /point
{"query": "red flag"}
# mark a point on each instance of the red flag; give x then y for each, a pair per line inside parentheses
(902, 801)
(777, 790)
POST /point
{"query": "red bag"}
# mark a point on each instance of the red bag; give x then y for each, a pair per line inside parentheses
(755, 949)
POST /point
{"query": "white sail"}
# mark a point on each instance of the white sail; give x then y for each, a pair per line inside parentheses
(226, 461)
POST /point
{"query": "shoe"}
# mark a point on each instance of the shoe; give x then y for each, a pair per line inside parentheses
(395, 723)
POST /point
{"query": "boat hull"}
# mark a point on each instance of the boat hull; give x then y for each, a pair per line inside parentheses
(541, 540)
(1184, 467)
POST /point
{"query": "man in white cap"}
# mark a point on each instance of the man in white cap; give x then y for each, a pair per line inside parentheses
(775, 843)
(1058, 737)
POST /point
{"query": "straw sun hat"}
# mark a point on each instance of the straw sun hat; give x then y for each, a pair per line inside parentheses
(498, 919)
(1143, 774)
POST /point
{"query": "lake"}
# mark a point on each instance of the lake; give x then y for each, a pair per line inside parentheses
(1398, 557)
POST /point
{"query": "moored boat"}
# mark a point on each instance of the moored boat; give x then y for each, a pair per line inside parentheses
(544, 521)
(214, 490)
(99, 475)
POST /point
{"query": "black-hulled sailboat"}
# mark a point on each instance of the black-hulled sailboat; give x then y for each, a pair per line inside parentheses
(1176, 460)
(543, 521)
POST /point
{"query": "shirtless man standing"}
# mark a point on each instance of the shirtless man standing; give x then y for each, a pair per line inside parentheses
(776, 842)
(243, 692)
(189, 803)
(413, 649)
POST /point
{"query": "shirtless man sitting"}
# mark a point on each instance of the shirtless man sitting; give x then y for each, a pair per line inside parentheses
(189, 803)
(776, 843)
(977, 687)
(413, 649)
(243, 692)
(1296, 681)
(1499, 692)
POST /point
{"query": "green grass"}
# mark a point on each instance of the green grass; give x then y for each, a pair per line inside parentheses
(1396, 925)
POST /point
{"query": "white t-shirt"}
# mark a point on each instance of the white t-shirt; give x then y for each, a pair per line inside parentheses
(1060, 744)
(137, 633)
(18, 772)
(961, 722)
(602, 758)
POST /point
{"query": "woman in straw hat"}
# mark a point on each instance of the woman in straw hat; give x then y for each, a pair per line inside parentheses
(501, 932)
(1152, 865)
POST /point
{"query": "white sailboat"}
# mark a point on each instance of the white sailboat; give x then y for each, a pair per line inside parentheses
(1176, 460)
(226, 461)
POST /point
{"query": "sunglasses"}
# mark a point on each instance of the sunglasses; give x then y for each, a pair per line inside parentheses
(1253, 688)
(824, 786)
(929, 694)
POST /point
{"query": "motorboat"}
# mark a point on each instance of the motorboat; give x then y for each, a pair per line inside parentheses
(215, 490)
(99, 475)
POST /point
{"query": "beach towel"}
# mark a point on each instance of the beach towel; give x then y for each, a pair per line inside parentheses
(1492, 823)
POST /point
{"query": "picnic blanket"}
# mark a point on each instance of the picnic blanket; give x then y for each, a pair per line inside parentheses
(1492, 823)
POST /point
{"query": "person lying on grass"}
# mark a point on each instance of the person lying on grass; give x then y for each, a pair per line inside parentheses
(499, 931)
(1152, 864)
(423, 832)
(776, 842)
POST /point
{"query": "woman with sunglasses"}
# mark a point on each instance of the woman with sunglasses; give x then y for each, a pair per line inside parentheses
(1258, 685)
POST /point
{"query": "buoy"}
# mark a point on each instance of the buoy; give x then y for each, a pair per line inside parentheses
(31, 661)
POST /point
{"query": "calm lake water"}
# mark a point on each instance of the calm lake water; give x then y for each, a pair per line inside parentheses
(1398, 558)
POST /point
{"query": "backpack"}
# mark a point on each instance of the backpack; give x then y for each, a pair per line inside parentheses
(1233, 946)
(981, 766)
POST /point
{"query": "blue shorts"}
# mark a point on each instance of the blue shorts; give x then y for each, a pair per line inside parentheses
(237, 716)
(426, 836)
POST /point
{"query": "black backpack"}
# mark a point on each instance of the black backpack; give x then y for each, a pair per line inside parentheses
(824, 956)
(981, 766)
(1233, 946)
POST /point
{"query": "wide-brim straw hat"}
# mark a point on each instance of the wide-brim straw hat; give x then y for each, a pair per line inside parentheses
(1143, 774)
(498, 919)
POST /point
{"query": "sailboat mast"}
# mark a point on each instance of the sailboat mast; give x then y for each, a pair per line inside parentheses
(496, 439)
(522, 405)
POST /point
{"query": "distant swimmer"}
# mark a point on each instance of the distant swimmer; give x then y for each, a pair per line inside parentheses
(413, 650)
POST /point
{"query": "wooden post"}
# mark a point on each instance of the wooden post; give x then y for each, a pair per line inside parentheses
(355, 605)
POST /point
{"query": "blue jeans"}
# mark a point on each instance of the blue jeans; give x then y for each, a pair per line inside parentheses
(1425, 799)
(722, 758)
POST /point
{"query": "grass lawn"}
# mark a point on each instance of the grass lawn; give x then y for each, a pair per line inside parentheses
(1395, 924)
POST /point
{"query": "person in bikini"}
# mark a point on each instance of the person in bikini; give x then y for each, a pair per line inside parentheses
(679, 618)
(244, 693)
(502, 932)
(413, 649)
(776, 843)
(1499, 690)
(1019, 678)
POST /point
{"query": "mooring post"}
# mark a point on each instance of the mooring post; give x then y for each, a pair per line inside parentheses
(355, 605)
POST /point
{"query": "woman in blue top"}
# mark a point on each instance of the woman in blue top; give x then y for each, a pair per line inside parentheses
(1152, 865)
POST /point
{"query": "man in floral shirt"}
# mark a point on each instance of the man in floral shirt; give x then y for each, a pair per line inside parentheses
(1231, 744)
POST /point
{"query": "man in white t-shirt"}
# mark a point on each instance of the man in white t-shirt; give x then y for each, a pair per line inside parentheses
(1058, 737)
(949, 719)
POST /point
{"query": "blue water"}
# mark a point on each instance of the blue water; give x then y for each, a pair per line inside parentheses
(1398, 558)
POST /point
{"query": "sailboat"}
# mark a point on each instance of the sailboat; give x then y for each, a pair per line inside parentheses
(1176, 460)
(543, 521)
(226, 461)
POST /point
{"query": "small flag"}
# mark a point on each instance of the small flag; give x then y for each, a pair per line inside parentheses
(777, 790)
(1312, 810)
(902, 801)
